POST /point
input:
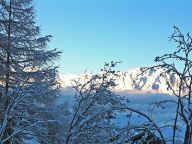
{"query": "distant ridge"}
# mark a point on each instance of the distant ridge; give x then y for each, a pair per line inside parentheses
(149, 82)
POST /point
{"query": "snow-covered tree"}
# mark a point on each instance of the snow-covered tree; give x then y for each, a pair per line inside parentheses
(90, 122)
(179, 63)
(28, 84)
(96, 111)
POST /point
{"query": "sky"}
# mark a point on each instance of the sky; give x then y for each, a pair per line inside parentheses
(92, 32)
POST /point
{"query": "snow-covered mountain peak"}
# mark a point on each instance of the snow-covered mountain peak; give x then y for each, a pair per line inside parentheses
(133, 81)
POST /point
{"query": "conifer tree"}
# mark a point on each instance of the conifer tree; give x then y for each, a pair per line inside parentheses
(27, 72)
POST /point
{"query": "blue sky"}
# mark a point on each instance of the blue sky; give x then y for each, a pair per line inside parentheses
(91, 32)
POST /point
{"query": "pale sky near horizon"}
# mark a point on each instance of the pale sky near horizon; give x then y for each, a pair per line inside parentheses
(92, 32)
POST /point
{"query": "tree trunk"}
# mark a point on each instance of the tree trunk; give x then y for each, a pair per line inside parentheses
(7, 133)
(187, 134)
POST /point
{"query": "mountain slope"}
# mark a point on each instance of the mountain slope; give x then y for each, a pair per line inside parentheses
(134, 81)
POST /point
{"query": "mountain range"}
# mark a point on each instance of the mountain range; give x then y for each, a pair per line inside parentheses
(134, 81)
